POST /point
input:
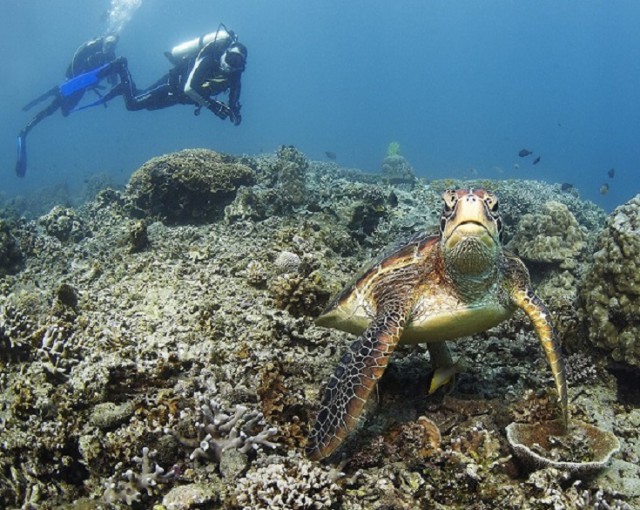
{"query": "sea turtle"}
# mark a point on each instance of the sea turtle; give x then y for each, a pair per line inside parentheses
(431, 289)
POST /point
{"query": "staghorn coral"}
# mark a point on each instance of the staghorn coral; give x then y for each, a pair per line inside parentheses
(610, 289)
(220, 430)
(129, 488)
(192, 185)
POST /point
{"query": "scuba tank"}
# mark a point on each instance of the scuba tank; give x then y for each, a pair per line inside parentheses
(190, 49)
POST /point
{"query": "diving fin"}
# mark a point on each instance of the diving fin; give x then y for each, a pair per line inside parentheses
(49, 93)
(21, 164)
(85, 81)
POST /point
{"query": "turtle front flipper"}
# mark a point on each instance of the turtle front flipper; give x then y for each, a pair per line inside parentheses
(352, 382)
(541, 319)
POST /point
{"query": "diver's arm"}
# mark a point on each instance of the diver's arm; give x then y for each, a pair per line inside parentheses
(197, 77)
(234, 99)
(234, 91)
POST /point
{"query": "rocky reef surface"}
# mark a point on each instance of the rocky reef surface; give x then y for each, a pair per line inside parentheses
(158, 346)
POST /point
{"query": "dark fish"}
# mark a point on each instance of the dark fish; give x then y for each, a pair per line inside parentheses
(536, 161)
(524, 152)
(611, 173)
(330, 155)
(604, 189)
(566, 186)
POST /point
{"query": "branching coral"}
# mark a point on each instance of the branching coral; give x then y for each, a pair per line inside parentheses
(129, 489)
(220, 430)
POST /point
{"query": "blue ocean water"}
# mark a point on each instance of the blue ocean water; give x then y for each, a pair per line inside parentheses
(461, 85)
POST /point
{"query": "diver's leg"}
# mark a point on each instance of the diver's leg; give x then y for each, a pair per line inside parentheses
(55, 104)
(21, 163)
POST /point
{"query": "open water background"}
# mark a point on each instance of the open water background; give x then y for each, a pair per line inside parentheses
(462, 85)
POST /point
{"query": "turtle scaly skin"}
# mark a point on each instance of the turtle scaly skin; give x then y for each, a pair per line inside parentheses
(431, 289)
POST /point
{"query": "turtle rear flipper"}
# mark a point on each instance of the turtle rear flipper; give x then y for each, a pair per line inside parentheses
(352, 382)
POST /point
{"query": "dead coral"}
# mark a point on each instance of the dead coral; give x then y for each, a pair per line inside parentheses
(10, 254)
(64, 224)
(286, 483)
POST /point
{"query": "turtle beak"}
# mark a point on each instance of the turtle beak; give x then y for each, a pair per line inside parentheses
(471, 230)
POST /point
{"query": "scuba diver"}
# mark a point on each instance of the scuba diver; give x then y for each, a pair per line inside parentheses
(203, 68)
(91, 64)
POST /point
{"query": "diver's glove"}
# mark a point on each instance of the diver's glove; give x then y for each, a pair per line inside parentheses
(219, 109)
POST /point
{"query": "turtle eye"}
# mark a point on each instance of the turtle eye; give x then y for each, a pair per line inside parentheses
(492, 203)
(449, 199)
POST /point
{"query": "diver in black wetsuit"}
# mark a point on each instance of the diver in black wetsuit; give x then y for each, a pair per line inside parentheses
(88, 67)
(203, 68)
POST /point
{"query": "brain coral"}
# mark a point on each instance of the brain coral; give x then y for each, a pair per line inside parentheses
(551, 235)
(192, 185)
(610, 289)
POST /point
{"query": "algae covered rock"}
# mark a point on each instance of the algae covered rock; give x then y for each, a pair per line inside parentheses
(552, 235)
(10, 255)
(193, 185)
(397, 170)
(64, 223)
(610, 289)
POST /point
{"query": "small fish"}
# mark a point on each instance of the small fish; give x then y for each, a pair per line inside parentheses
(604, 189)
(524, 153)
(567, 186)
(330, 155)
(536, 161)
(516, 166)
(611, 173)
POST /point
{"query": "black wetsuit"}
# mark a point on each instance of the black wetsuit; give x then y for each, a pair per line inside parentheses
(87, 57)
(194, 81)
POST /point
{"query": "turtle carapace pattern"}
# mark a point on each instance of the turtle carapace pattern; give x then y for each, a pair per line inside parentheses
(431, 289)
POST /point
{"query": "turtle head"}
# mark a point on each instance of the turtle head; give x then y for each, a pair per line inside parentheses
(470, 229)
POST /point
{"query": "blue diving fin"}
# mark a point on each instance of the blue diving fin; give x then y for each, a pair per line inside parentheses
(21, 164)
(84, 81)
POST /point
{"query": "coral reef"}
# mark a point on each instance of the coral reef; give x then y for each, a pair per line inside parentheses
(193, 185)
(397, 170)
(10, 254)
(64, 224)
(129, 488)
(293, 482)
(551, 235)
(610, 289)
(220, 431)
(111, 331)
